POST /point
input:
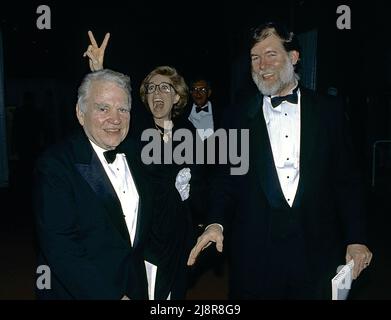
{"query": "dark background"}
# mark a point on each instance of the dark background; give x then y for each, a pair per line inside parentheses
(199, 36)
(195, 37)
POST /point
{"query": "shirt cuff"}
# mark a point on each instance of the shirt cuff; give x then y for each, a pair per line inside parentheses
(214, 224)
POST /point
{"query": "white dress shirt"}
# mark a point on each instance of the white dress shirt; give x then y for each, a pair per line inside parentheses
(129, 198)
(202, 121)
(283, 126)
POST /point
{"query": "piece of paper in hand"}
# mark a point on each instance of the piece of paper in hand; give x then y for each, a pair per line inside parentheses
(342, 282)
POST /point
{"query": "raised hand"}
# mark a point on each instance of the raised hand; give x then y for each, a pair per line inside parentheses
(95, 53)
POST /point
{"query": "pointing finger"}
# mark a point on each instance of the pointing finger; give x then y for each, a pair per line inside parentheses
(219, 245)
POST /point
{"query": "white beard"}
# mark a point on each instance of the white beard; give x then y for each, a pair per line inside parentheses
(286, 76)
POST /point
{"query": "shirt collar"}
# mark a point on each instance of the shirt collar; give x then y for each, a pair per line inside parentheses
(98, 150)
(268, 108)
(208, 104)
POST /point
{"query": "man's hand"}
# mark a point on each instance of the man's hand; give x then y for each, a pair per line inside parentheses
(213, 233)
(361, 255)
(95, 53)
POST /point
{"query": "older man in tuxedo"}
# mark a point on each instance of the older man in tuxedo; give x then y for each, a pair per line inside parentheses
(299, 211)
(92, 201)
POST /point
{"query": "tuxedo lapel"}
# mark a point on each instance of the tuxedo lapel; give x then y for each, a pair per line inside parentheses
(309, 130)
(262, 159)
(91, 169)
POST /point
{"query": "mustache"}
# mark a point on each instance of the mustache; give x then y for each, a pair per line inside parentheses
(263, 72)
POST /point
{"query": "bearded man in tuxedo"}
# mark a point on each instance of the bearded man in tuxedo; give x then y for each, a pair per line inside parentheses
(299, 212)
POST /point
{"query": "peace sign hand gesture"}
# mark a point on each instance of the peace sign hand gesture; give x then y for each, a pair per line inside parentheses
(96, 54)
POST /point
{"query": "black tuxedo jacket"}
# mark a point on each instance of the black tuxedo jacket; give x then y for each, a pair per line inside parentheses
(81, 230)
(328, 210)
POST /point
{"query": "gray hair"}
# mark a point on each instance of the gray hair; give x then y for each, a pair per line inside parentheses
(120, 79)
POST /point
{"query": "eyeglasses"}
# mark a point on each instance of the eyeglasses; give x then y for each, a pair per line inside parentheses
(164, 87)
(201, 90)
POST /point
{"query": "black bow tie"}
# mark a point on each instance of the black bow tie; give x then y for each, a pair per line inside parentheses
(292, 98)
(199, 109)
(110, 155)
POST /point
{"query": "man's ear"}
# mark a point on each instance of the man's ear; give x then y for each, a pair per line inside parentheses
(294, 56)
(79, 115)
(209, 92)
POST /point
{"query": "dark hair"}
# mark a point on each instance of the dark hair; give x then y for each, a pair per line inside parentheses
(200, 77)
(289, 39)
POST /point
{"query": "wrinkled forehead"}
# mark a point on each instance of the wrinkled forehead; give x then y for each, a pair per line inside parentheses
(107, 90)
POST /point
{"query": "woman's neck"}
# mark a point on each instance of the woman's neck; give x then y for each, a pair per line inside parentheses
(163, 123)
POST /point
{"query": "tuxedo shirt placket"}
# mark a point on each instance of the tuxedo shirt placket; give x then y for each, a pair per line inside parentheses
(283, 125)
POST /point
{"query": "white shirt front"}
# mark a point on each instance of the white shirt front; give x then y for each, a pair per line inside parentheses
(129, 198)
(283, 126)
(203, 120)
